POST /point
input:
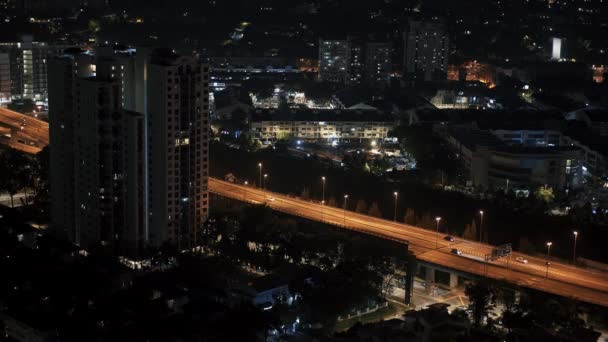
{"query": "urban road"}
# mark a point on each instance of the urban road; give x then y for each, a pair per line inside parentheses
(564, 280)
(25, 133)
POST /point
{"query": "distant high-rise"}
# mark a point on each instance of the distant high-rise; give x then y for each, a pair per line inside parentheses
(5, 77)
(63, 74)
(356, 63)
(334, 60)
(178, 148)
(98, 171)
(120, 178)
(352, 60)
(426, 51)
(27, 67)
(378, 61)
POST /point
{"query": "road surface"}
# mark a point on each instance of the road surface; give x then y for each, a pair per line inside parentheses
(564, 280)
(23, 132)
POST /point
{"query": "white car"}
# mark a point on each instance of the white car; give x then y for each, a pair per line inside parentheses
(522, 260)
(271, 199)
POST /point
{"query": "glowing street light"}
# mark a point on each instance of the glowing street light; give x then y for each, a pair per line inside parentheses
(437, 219)
(574, 252)
(323, 198)
(260, 167)
(396, 194)
(549, 244)
(344, 209)
(480, 224)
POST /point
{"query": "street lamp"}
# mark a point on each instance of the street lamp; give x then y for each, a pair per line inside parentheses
(548, 256)
(323, 198)
(396, 194)
(264, 182)
(437, 231)
(344, 209)
(260, 167)
(245, 191)
(574, 253)
(480, 224)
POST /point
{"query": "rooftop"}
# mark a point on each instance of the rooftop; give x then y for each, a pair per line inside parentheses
(322, 115)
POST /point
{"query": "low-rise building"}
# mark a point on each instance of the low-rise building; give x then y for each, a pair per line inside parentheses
(494, 164)
(329, 125)
(433, 323)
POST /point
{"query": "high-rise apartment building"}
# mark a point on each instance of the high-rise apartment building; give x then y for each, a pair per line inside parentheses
(28, 67)
(352, 61)
(426, 51)
(98, 169)
(63, 74)
(334, 60)
(5, 78)
(125, 179)
(356, 63)
(178, 150)
(378, 61)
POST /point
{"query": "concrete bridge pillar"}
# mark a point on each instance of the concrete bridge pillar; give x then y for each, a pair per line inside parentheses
(429, 280)
(453, 280)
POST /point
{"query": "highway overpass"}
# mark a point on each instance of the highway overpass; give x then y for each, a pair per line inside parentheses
(23, 132)
(431, 249)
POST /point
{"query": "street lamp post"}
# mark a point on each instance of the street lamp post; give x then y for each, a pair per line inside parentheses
(548, 256)
(245, 191)
(260, 167)
(437, 219)
(396, 194)
(264, 183)
(574, 252)
(480, 225)
(344, 209)
(323, 198)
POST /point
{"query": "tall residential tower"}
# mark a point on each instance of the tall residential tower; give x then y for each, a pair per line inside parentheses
(426, 51)
(178, 147)
(127, 179)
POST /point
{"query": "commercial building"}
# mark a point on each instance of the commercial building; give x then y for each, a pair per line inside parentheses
(5, 78)
(494, 164)
(122, 178)
(328, 125)
(27, 67)
(426, 51)
(462, 95)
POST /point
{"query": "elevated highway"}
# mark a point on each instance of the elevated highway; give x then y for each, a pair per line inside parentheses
(430, 248)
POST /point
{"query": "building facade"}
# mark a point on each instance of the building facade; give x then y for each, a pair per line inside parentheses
(178, 148)
(334, 60)
(63, 73)
(378, 61)
(5, 78)
(496, 164)
(122, 178)
(328, 125)
(426, 51)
